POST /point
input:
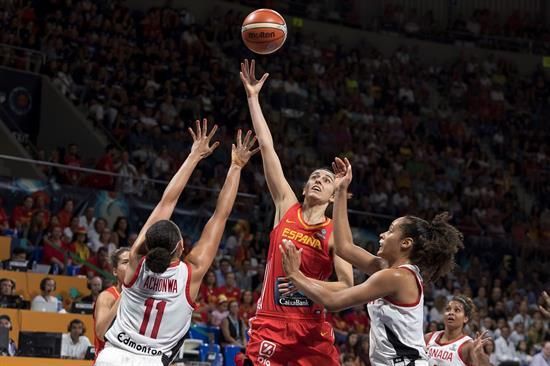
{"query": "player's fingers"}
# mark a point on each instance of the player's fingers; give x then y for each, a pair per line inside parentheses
(253, 69)
(264, 77)
(239, 138)
(247, 138)
(213, 132)
(252, 141)
(253, 152)
(192, 133)
(214, 146)
(198, 128)
(204, 127)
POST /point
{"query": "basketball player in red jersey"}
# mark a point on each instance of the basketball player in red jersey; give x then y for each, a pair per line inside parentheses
(452, 346)
(106, 305)
(290, 329)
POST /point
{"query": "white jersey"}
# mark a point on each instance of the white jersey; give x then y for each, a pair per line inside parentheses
(154, 313)
(446, 354)
(396, 335)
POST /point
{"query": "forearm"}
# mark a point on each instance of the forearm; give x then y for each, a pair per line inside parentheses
(265, 139)
(343, 239)
(228, 194)
(318, 291)
(179, 180)
(332, 286)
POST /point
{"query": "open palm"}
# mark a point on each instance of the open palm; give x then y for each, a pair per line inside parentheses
(242, 150)
(201, 139)
(248, 77)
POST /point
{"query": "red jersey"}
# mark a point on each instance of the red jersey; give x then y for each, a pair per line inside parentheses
(233, 294)
(98, 343)
(316, 263)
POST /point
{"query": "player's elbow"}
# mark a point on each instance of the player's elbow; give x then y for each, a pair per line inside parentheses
(332, 305)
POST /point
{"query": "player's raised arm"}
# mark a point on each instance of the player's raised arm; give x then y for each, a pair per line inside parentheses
(343, 238)
(380, 284)
(163, 211)
(282, 194)
(202, 255)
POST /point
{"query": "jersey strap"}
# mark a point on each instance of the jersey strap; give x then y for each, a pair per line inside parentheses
(136, 273)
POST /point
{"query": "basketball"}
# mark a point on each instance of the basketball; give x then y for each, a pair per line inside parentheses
(264, 31)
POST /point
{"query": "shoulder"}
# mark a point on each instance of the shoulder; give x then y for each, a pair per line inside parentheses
(105, 298)
(428, 337)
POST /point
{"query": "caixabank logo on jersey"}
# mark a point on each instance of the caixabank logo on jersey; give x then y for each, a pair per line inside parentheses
(128, 341)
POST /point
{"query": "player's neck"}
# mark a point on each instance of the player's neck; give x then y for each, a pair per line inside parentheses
(313, 214)
(399, 262)
(452, 334)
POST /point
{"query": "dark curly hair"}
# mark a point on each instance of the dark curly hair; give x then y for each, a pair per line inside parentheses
(435, 244)
(467, 304)
(161, 240)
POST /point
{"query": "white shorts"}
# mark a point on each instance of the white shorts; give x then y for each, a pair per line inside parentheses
(113, 356)
(404, 363)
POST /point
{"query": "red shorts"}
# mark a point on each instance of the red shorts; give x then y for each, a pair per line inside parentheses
(291, 342)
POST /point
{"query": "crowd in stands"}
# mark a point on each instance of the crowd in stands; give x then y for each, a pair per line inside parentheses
(468, 137)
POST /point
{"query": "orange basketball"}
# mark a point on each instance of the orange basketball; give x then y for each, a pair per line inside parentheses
(264, 31)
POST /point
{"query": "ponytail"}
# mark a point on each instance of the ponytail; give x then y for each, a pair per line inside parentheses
(158, 259)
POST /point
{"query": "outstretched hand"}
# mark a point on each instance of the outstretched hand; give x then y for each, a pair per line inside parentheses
(479, 356)
(248, 77)
(342, 173)
(241, 152)
(292, 257)
(201, 139)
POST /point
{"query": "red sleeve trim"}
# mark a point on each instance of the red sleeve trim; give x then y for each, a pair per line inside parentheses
(136, 273)
(459, 351)
(420, 290)
(188, 287)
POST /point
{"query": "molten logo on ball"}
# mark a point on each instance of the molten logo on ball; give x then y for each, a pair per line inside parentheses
(261, 35)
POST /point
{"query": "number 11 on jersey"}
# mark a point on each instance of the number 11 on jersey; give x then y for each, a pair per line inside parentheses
(149, 303)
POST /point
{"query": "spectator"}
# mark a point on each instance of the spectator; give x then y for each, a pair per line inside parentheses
(221, 311)
(504, 348)
(230, 289)
(74, 344)
(66, 213)
(105, 241)
(95, 286)
(247, 306)
(45, 301)
(8, 297)
(94, 232)
(543, 357)
(5, 322)
(79, 246)
(129, 172)
(87, 220)
(19, 257)
(101, 261)
(70, 230)
(224, 268)
(23, 214)
(233, 328)
(121, 232)
(55, 249)
(208, 289)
